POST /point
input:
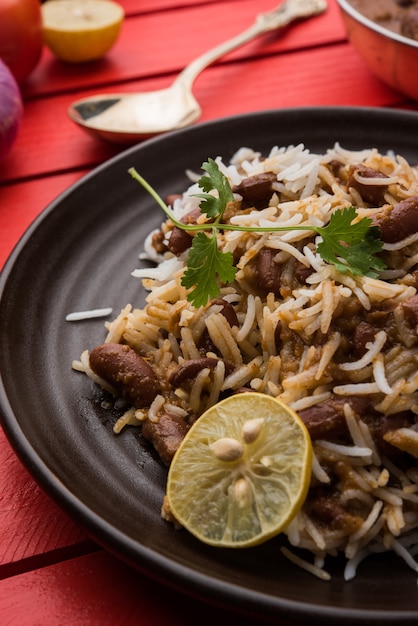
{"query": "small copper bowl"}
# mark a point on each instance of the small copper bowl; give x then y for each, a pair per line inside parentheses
(392, 57)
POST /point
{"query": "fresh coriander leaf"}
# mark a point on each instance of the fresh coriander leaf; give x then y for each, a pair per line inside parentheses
(360, 259)
(207, 267)
(351, 246)
(341, 228)
(211, 205)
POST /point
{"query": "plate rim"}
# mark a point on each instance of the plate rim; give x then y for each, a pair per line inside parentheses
(155, 565)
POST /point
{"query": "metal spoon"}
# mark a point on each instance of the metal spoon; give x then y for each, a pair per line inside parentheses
(126, 118)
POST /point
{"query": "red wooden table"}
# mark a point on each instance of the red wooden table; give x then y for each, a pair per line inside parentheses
(50, 571)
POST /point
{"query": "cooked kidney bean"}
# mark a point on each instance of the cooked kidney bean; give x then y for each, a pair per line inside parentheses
(131, 376)
(267, 271)
(335, 167)
(172, 197)
(373, 194)
(363, 333)
(410, 310)
(302, 272)
(326, 419)
(385, 423)
(256, 190)
(180, 240)
(205, 342)
(190, 369)
(397, 223)
(278, 336)
(166, 435)
(227, 311)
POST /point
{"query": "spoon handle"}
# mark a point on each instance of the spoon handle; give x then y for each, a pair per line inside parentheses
(281, 16)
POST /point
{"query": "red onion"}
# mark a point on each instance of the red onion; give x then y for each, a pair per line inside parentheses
(11, 109)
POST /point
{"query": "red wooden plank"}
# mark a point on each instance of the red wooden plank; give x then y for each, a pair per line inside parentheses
(160, 43)
(133, 7)
(310, 77)
(19, 206)
(30, 523)
(100, 590)
(318, 77)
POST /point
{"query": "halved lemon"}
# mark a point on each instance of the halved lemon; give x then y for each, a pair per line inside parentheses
(81, 30)
(242, 472)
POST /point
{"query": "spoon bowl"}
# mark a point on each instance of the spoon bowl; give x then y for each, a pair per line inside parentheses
(127, 118)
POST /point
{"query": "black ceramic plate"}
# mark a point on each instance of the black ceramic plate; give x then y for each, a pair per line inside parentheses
(79, 255)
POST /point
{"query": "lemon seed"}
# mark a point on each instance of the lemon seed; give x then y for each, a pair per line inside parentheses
(251, 429)
(242, 492)
(227, 449)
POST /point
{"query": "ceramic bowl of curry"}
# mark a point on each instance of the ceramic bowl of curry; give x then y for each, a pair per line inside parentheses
(385, 34)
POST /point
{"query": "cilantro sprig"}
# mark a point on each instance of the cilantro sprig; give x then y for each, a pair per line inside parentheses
(347, 243)
(214, 205)
(207, 266)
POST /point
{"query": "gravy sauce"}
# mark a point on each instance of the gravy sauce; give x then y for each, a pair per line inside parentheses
(399, 16)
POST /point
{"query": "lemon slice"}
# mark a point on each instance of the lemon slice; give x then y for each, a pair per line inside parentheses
(81, 30)
(242, 472)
